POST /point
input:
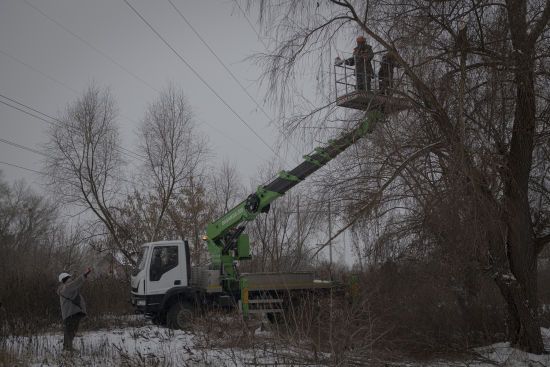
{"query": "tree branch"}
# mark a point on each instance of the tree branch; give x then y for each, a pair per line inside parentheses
(377, 195)
(540, 25)
(541, 242)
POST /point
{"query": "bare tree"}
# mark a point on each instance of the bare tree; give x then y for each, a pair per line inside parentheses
(479, 112)
(173, 148)
(226, 188)
(138, 213)
(26, 222)
(190, 213)
(84, 163)
(283, 239)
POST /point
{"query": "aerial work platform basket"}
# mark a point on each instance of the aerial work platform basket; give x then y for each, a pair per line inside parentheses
(355, 90)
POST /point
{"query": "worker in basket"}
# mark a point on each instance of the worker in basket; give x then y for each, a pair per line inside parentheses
(362, 60)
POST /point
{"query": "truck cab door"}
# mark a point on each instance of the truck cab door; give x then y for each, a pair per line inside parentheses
(139, 273)
(167, 269)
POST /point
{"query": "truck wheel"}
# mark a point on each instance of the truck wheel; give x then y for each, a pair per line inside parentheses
(275, 317)
(159, 320)
(179, 315)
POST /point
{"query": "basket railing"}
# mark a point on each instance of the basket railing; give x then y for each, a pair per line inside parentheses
(384, 78)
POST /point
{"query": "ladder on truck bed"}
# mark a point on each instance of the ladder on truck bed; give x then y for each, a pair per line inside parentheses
(268, 293)
(265, 303)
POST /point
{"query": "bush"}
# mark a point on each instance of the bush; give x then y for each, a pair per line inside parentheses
(410, 309)
(107, 298)
(429, 311)
(31, 303)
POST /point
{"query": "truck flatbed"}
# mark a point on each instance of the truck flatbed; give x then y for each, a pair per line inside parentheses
(283, 281)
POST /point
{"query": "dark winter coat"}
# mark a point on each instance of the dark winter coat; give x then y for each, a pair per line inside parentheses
(362, 57)
(70, 298)
(385, 73)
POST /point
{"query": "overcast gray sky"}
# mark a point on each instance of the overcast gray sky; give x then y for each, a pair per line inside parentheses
(51, 50)
(44, 65)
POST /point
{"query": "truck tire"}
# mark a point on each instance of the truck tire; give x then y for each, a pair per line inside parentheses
(159, 320)
(275, 317)
(179, 315)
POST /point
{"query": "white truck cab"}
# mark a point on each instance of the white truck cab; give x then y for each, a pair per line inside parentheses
(163, 269)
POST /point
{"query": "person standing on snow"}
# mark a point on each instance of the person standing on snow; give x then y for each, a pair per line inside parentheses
(73, 307)
(362, 59)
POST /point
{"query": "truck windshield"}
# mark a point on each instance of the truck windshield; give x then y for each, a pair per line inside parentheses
(141, 259)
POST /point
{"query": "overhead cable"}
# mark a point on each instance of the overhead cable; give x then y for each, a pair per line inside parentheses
(198, 75)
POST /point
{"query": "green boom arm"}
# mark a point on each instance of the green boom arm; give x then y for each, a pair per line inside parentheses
(227, 243)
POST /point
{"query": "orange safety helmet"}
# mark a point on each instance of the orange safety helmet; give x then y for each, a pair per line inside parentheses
(361, 39)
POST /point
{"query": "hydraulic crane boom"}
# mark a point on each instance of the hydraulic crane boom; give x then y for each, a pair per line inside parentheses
(225, 238)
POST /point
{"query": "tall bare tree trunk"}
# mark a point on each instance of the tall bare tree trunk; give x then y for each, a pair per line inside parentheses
(521, 292)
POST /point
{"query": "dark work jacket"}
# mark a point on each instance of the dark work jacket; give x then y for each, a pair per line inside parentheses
(362, 57)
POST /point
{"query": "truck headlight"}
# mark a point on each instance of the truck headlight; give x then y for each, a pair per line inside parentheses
(140, 302)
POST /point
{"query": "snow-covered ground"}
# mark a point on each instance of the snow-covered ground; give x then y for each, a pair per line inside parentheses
(143, 346)
(151, 345)
(155, 346)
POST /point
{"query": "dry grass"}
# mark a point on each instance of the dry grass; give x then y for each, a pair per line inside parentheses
(8, 358)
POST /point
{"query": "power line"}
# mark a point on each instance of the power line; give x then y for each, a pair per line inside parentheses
(250, 24)
(199, 76)
(63, 85)
(260, 38)
(24, 168)
(90, 45)
(32, 109)
(223, 64)
(20, 146)
(46, 174)
(227, 137)
(218, 58)
(27, 112)
(222, 133)
(87, 43)
(38, 71)
(24, 147)
(119, 149)
(41, 118)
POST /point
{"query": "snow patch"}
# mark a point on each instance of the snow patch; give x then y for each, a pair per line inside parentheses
(153, 345)
(147, 345)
